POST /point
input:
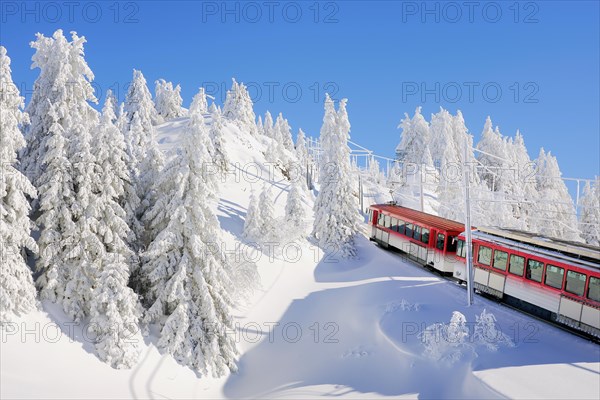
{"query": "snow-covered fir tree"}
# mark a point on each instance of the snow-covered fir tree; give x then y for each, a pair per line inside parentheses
(268, 126)
(17, 291)
(219, 146)
(499, 174)
(168, 100)
(303, 159)
(295, 210)
(525, 194)
(64, 75)
(336, 216)
(145, 158)
(56, 192)
(589, 220)
(284, 132)
(238, 108)
(64, 187)
(557, 216)
(443, 144)
(300, 148)
(268, 225)
(113, 157)
(374, 171)
(252, 222)
(188, 287)
(414, 142)
(114, 308)
(493, 156)
(260, 129)
(139, 102)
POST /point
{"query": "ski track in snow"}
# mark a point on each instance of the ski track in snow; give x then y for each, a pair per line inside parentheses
(344, 329)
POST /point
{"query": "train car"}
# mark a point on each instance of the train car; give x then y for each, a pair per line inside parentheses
(427, 239)
(553, 279)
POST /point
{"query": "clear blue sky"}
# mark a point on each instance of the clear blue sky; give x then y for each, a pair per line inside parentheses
(385, 57)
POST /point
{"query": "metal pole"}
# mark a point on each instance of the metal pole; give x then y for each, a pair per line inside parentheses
(360, 193)
(421, 191)
(577, 201)
(469, 239)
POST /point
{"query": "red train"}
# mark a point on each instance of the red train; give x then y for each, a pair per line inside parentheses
(550, 278)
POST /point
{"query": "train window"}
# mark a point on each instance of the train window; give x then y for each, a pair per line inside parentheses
(401, 226)
(554, 276)
(425, 235)
(439, 244)
(380, 219)
(516, 265)
(417, 233)
(485, 255)
(594, 289)
(394, 226)
(451, 245)
(461, 249)
(370, 215)
(409, 230)
(500, 259)
(388, 221)
(575, 283)
(535, 270)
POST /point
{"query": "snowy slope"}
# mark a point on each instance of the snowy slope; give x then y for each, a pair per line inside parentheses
(315, 328)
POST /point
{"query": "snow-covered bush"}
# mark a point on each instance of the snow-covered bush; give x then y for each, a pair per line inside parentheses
(486, 333)
(446, 342)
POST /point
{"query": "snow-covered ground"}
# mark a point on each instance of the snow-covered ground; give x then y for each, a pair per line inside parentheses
(316, 327)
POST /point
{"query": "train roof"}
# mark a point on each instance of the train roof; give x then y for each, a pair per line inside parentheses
(569, 248)
(418, 216)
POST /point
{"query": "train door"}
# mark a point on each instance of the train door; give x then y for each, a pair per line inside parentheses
(374, 216)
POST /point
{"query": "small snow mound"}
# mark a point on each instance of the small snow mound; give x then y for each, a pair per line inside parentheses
(401, 305)
(356, 352)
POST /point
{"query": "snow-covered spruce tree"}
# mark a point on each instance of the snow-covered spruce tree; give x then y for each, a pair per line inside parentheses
(295, 210)
(499, 174)
(268, 226)
(450, 136)
(557, 216)
(60, 81)
(300, 148)
(443, 143)
(146, 159)
(238, 108)
(414, 142)
(202, 103)
(188, 286)
(17, 291)
(260, 129)
(139, 101)
(336, 217)
(113, 156)
(114, 307)
(252, 222)
(493, 156)
(525, 194)
(168, 100)
(303, 159)
(63, 187)
(589, 220)
(55, 221)
(219, 146)
(284, 132)
(268, 127)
